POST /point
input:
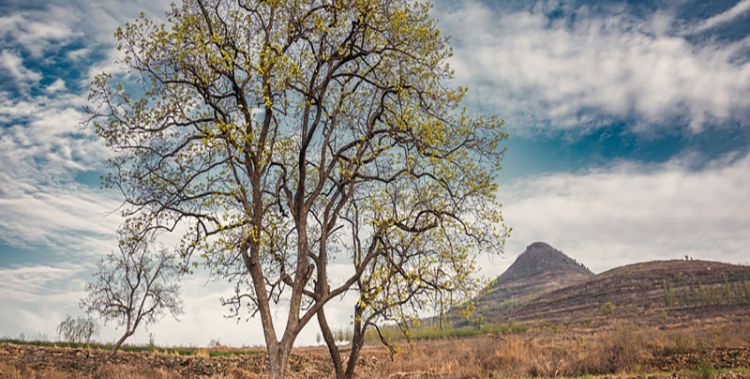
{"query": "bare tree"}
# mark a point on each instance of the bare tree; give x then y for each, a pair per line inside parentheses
(281, 134)
(77, 329)
(134, 286)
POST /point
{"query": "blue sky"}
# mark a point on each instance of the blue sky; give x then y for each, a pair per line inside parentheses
(629, 122)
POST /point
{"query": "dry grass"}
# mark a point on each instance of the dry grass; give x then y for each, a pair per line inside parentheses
(8, 371)
(119, 371)
(238, 374)
(616, 348)
(620, 348)
(108, 371)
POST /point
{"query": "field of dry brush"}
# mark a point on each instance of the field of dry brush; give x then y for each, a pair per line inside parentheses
(619, 348)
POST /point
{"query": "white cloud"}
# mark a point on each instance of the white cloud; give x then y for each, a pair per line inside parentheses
(78, 54)
(12, 64)
(42, 147)
(541, 72)
(56, 86)
(32, 284)
(68, 221)
(631, 213)
(43, 31)
(37, 30)
(38, 297)
(112, 65)
(724, 17)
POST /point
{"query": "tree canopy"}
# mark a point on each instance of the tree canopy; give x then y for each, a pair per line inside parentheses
(279, 135)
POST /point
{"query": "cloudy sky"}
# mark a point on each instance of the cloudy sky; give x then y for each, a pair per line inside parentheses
(629, 122)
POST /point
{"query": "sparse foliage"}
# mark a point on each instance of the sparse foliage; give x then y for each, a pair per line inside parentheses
(77, 329)
(608, 309)
(669, 297)
(134, 286)
(280, 134)
(663, 315)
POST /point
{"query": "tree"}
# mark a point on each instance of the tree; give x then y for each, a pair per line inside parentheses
(134, 286)
(412, 275)
(282, 134)
(79, 329)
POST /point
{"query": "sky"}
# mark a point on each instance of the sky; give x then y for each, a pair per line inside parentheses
(629, 132)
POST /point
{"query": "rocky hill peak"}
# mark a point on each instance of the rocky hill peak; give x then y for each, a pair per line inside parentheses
(540, 258)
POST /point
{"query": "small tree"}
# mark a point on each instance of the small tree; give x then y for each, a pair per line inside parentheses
(398, 289)
(134, 286)
(79, 329)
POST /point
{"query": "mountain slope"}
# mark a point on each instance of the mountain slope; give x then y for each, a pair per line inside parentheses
(538, 270)
(642, 290)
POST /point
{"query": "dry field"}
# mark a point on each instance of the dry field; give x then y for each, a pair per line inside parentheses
(617, 349)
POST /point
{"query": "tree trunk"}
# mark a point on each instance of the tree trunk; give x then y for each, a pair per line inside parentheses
(357, 343)
(277, 363)
(333, 350)
(122, 339)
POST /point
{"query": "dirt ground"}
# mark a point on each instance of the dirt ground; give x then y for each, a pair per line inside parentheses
(41, 361)
(616, 351)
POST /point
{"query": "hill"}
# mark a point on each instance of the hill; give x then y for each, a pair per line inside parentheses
(546, 287)
(538, 270)
(648, 291)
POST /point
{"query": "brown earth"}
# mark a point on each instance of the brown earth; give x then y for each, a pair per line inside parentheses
(29, 360)
(681, 288)
(539, 269)
(615, 349)
(664, 317)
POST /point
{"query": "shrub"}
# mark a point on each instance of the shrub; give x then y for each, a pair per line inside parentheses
(706, 371)
(608, 309)
(669, 298)
(663, 315)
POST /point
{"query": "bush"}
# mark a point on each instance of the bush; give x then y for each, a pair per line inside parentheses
(608, 309)
(669, 297)
(663, 315)
(706, 371)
